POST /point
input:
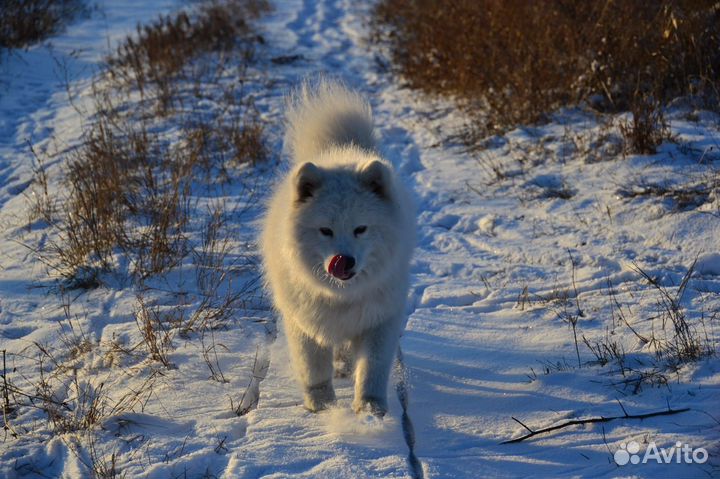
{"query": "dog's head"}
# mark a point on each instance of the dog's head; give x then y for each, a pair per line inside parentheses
(346, 223)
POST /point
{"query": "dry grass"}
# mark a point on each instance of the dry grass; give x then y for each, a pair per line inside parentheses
(101, 466)
(73, 400)
(152, 61)
(675, 338)
(125, 196)
(42, 206)
(678, 339)
(156, 328)
(220, 296)
(210, 355)
(130, 184)
(681, 196)
(519, 60)
(648, 128)
(171, 129)
(219, 292)
(607, 350)
(24, 22)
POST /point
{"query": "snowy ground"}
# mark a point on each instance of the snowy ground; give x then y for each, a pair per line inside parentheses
(494, 285)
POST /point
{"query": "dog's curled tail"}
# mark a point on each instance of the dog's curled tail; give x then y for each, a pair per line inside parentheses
(323, 114)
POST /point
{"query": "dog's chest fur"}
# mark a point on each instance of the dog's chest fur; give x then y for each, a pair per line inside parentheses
(333, 320)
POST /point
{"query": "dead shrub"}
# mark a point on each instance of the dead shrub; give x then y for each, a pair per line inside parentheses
(675, 339)
(681, 340)
(248, 142)
(216, 278)
(158, 54)
(130, 184)
(220, 297)
(75, 400)
(42, 206)
(24, 22)
(126, 196)
(129, 195)
(91, 455)
(518, 60)
(607, 350)
(690, 195)
(126, 205)
(648, 127)
(156, 328)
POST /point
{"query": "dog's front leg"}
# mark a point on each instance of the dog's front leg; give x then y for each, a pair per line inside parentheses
(375, 353)
(314, 365)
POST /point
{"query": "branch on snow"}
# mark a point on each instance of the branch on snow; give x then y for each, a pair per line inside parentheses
(573, 422)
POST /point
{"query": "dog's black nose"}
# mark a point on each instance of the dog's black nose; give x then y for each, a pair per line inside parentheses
(349, 263)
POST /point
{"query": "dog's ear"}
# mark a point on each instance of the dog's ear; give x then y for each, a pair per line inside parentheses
(307, 180)
(375, 176)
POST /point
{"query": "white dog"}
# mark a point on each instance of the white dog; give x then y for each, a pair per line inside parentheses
(337, 242)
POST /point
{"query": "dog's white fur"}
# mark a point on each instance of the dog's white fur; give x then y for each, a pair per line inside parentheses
(338, 181)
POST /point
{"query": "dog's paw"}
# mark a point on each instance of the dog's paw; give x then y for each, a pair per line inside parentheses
(319, 397)
(369, 405)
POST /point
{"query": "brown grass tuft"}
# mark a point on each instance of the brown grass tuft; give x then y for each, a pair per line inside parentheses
(130, 184)
(24, 22)
(648, 127)
(156, 328)
(153, 60)
(518, 60)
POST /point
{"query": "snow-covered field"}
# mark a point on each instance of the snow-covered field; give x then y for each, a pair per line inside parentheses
(541, 228)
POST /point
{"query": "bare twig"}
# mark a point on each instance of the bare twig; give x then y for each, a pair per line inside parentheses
(591, 420)
(6, 398)
(616, 304)
(521, 423)
(572, 318)
(6, 408)
(213, 362)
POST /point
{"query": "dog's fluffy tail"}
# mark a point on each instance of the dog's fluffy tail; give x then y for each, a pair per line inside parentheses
(323, 114)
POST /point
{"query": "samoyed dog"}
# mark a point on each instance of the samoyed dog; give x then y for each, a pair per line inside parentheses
(336, 245)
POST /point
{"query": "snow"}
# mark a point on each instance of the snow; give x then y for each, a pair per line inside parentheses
(499, 264)
(709, 264)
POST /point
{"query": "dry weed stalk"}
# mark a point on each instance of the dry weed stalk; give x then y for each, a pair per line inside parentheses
(520, 60)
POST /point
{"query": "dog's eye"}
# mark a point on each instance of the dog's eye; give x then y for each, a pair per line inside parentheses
(326, 232)
(360, 230)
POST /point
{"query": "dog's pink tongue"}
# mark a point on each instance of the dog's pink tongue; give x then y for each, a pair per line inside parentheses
(337, 266)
